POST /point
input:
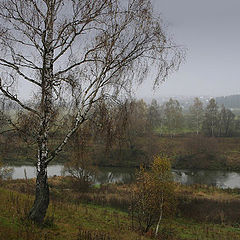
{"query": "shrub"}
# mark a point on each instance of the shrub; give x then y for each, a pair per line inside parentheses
(153, 195)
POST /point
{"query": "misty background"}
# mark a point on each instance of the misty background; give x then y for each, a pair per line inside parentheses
(210, 32)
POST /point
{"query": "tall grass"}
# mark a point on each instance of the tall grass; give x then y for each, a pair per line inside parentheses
(69, 218)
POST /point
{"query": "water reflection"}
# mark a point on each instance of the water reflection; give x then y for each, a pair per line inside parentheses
(114, 175)
(222, 179)
(18, 171)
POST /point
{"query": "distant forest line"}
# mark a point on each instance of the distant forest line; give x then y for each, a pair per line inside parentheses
(130, 133)
(232, 101)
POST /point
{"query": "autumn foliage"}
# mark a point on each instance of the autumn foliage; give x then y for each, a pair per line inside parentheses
(153, 195)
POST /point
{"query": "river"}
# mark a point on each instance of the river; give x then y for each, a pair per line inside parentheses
(222, 179)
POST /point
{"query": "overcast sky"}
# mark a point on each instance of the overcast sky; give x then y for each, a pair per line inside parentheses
(210, 29)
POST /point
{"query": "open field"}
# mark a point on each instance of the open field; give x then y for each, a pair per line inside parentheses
(74, 215)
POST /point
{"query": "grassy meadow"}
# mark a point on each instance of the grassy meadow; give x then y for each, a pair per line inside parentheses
(102, 214)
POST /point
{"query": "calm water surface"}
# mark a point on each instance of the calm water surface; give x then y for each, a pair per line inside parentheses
(222, 179)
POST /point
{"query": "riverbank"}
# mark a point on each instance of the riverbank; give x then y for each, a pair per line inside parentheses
(101, 212)
(66, 189)
(105, 175)
(186, 152)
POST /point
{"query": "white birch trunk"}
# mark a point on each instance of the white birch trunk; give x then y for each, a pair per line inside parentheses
(160, 217)
(41, 202)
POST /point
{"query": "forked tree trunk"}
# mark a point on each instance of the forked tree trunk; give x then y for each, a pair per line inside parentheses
(39, 209)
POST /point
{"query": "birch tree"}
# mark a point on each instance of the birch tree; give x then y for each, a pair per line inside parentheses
(173, 116)
(197, 112)
(154, 115)
(226, 120)
(80, 52)
(210, 122)
(153, 195)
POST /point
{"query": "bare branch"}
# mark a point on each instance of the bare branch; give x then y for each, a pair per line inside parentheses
(6, 63)
(15, 99)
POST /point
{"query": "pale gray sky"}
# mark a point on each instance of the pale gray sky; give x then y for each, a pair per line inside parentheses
(211, 32)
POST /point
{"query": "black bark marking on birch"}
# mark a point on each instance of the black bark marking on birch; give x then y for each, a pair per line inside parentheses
(39, 209)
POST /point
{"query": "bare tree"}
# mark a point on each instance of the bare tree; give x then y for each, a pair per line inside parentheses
(79, 51)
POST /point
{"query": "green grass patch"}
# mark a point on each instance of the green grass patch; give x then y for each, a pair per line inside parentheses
(66, 220)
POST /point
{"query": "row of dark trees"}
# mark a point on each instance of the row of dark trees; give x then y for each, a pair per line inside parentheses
(218, 122)
(232, 101)
(170, 118)
(121, 123)
(211, 120)
(130, 130)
